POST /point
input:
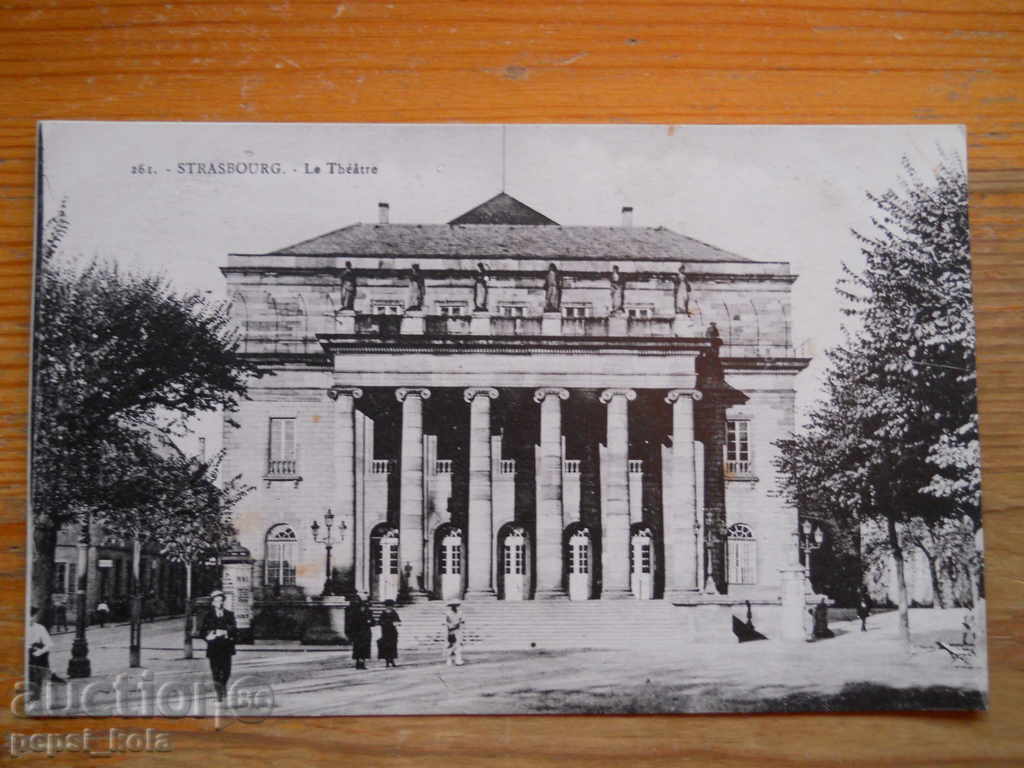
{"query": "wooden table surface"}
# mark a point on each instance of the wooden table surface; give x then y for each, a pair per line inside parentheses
(740, 61)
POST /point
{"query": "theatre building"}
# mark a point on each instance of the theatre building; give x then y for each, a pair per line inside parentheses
(503, 408)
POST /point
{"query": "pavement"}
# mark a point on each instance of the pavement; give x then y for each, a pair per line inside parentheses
(853, 671)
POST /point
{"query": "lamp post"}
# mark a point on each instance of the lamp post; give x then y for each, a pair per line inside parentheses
(328, 540)
(811, 538)
(79, 664)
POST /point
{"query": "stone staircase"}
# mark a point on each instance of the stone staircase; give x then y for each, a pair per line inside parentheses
(548, 624)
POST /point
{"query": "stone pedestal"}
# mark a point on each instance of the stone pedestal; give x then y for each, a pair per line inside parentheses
(480, 324)
(618, 325)
(685, 326)
(346, 321)
(413, 323)
(794, 612)
(551, 324)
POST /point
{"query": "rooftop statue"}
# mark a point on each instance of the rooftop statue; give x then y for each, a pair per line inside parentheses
(480, 289)
(416, 290)
(552, 290)
(348, 287)
(617, 289)
(682, 291)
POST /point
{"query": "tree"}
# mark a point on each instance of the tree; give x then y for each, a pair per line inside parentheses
(890, 439)
(197, 523)
(111, 351)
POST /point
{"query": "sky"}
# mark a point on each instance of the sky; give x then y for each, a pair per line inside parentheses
(773, 193)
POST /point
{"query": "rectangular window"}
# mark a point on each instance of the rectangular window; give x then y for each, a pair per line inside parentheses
(72, 578)
(737, 448)
(451, 310)
(282, 447)
(515, 562)
(386, 307)
(645, 311)
(512, 310)
(576, 310)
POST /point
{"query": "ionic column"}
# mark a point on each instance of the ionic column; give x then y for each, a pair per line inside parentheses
(480, 538)
(345, 476)
(681, 516)
(615, 527)
(410, 520)
(549, 501)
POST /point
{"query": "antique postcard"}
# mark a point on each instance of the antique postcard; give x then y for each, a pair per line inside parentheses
(482, 419)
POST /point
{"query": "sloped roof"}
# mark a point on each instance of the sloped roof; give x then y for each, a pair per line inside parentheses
(502, 209)
(503, 227)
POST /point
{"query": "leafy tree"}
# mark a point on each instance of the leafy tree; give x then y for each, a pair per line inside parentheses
(891, 439)
(112, 350)
(196, 523)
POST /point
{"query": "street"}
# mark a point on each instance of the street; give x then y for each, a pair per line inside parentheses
(853, 671)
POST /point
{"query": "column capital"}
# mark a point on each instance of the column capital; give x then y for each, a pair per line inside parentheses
(335, 392)
(403, 392)
(675, 394)
(608, 394)
(541, 394)
(472, 392)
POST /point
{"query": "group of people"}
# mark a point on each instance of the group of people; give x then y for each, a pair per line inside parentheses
(359, 623)
(220, 630)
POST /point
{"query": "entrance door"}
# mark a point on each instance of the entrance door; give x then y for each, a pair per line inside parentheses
(642, 565)
(385, 582)
(579, 565)
(514, 565)
(451, 565)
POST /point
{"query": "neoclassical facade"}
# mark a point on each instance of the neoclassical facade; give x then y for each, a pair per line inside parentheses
(500, 407)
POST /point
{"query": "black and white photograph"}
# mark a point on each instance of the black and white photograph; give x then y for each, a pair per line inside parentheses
(396, 419)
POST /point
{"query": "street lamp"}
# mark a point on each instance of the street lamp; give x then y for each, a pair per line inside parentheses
(811, 538)
(79, 664)
(328, 540)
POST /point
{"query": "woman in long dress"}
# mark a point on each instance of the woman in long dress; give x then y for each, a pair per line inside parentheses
(387, 646)
(358, 623)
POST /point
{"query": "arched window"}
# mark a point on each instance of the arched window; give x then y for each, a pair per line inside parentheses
(742, 555)
(282, 552)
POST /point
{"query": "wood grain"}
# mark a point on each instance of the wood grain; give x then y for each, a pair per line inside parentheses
(747, 61)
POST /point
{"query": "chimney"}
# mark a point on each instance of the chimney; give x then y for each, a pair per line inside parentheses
(382, 212)
(627, 215)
